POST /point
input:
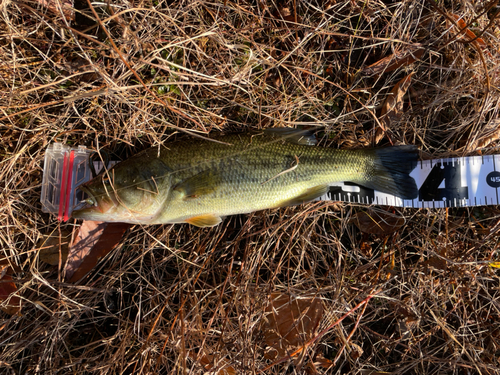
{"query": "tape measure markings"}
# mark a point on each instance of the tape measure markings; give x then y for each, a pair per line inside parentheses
(453, 182)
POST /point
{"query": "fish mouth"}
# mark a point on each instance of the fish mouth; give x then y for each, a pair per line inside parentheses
(95, 208)
(88, 213)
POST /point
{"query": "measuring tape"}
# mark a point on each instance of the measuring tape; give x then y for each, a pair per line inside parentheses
(454, 182)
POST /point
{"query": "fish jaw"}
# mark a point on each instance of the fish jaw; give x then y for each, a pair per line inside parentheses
(94, 213)
(90, 213)
(103, 209)
(116, 214)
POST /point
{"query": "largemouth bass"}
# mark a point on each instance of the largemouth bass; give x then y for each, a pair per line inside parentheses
(199, 181)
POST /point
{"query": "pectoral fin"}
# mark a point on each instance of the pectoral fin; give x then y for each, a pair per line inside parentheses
(208, 220)
(308, 195)
(198, 185)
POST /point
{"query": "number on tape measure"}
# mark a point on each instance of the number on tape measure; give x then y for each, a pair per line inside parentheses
(448, 173)
(493, 179)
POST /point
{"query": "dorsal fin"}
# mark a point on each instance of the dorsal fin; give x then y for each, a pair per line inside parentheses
(296, 136)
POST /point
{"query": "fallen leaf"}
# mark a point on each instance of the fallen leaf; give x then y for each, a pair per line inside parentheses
(356, 351)
(396, 60)
(7, 293)
(379, 222)
(56, 7)
(207, 361)
(436, 263)
(462, 25)
(8, 288)
(494, 264)
(285, 14)
(486, 135)
(51, 244)
(366, 248)
(94, 240)
(322, 361)
(290, 322)
(392, 110)
(310, 369)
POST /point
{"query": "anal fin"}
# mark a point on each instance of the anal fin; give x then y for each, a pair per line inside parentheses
(310, 194)
(208, 220)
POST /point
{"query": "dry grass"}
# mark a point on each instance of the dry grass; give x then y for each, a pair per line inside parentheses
(177, 299)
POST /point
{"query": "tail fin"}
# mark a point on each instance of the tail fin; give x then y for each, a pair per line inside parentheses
(392, 168)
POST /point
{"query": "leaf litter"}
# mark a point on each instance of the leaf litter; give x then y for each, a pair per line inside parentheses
(290, 322)
(165, 292)
(392, 110)
(10, 302)
(93, 241)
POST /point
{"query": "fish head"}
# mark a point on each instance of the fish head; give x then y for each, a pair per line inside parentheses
(123, 194)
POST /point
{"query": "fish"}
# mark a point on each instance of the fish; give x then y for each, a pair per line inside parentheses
(200, 182)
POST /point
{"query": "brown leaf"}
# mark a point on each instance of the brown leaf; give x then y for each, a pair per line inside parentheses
(94, 240)
(366, 248)
(378, 222)
(356, 351)
(207, 361)
(466, 31)
(286, 14)
(437, 263)
(49, 246)
(7, 293)
(395, 61)
(310, 369)
(290, 322)
(66, 6)
(322, 361)
(486, 135)
(392, 110)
